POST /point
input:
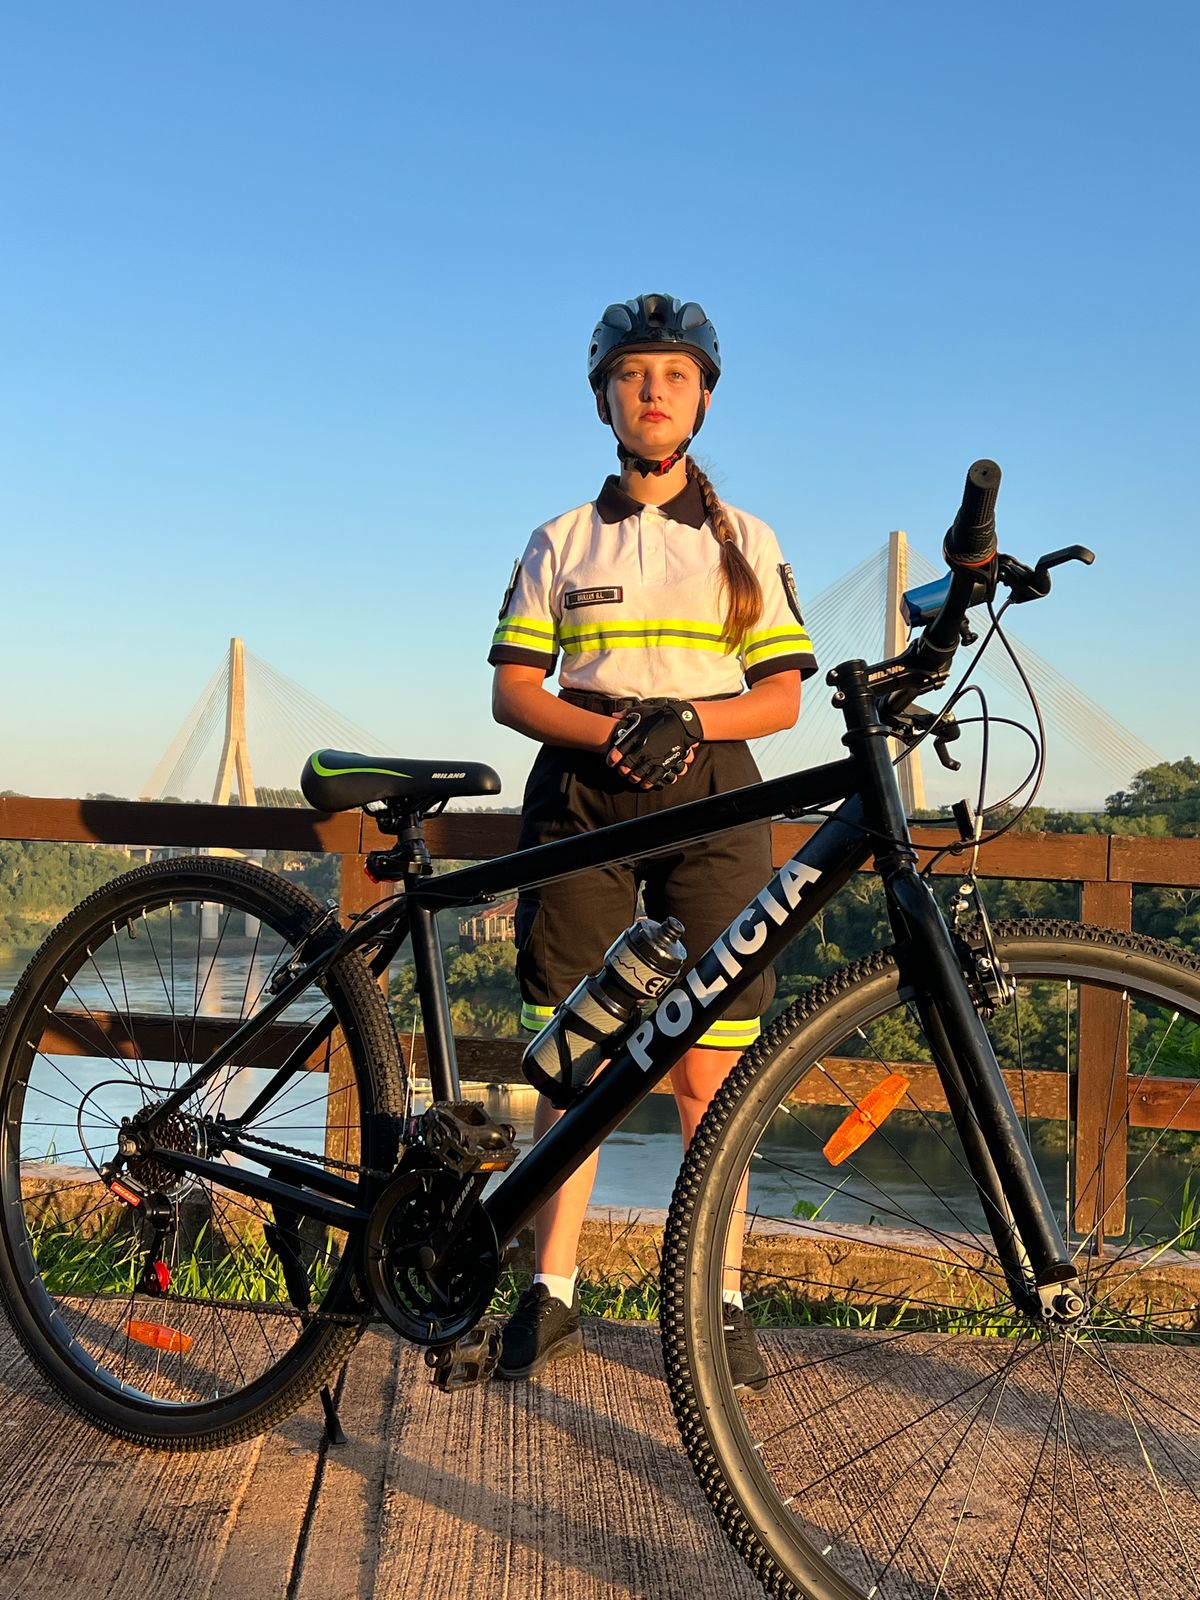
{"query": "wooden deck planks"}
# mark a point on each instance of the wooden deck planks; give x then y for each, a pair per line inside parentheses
(571, 1489)
(83, 1515)
(340, 1551)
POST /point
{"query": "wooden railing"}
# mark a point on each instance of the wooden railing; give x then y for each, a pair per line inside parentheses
(1106, 868)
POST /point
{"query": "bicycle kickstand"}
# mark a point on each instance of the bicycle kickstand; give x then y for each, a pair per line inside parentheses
(280, 1236)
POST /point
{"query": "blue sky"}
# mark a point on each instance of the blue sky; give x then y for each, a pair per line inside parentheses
(297, 299)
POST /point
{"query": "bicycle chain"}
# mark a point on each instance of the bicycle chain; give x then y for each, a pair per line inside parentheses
(253, 1308)
(287, 1309)
(308, 1155)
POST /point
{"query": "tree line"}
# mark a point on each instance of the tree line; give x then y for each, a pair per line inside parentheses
(40, 882)
(1161, 801)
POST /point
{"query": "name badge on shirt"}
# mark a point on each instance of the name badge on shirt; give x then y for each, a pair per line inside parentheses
(574, 598)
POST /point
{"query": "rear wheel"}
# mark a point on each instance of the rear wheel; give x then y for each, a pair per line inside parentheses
(919, 1436)
(193, 1315)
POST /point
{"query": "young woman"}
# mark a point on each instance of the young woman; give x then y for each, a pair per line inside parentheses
(681, 638)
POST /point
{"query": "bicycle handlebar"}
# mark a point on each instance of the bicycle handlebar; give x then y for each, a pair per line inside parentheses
(971, 537)
(970, 552)
(975, 568)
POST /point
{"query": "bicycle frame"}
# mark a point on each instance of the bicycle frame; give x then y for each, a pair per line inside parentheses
(869, 819)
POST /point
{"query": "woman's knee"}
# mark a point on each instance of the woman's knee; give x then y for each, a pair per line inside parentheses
(700, 1073)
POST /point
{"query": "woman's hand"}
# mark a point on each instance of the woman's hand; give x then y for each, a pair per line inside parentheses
(653, 744)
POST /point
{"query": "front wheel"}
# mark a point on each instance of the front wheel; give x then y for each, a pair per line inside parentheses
(171, 1309)
(919, 1436)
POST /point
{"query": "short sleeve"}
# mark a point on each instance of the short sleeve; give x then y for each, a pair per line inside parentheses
(779, 641)
(527, 632)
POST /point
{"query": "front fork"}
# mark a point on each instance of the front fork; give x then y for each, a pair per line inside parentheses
(1041, 1276)
(1037, 1265)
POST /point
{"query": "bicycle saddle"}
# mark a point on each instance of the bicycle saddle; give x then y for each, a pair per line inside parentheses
(336, 780)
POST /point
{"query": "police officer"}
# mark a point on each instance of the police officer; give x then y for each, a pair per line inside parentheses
(676, 619)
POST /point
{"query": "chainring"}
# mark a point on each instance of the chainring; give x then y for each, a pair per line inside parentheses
(427, 1300)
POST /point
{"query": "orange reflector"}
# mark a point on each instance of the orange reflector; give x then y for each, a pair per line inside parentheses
(159, 1338)
(876, 1105)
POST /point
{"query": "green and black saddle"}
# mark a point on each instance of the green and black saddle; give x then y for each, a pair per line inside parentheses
(337, 780)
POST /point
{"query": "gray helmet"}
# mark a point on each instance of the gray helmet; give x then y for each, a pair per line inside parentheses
(654, 322)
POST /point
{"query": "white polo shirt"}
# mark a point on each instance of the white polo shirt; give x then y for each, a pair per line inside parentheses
(632, 597)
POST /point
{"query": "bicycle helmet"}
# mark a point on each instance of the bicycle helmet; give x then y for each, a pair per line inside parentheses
(654, 322)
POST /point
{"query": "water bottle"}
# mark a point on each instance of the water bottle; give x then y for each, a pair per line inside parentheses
(639, 965)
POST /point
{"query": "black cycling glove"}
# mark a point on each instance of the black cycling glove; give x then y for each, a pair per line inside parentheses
(654, 739)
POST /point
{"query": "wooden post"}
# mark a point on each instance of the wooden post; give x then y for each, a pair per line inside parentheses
(1102, 1084)
(355, 893)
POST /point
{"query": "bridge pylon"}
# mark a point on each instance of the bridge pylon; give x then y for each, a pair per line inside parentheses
(235, 752)
(912, 783)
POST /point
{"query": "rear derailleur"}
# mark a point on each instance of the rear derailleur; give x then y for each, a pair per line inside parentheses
(432, 1257)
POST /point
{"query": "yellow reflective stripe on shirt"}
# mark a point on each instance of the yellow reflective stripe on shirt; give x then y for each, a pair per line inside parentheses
(649, 634)
(528, 631)
(535, 1018)
(770, 642)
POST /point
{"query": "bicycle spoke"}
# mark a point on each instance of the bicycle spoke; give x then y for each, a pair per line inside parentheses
(167, 1290)
(912, 1456)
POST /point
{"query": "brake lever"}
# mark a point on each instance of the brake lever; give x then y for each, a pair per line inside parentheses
(1033, 583)
(915, 722)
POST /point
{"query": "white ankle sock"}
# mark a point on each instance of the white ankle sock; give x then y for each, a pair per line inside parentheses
(561, 1288)
(734, 1298)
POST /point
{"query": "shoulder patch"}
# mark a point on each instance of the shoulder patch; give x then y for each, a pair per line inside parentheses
(789, 589)
(574, 598)
(508, 593)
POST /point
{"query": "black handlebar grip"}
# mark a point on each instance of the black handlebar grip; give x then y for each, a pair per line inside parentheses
(971, 537)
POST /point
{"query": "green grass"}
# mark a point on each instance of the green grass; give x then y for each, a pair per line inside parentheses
(73, 1265)
(1187, 1219)
(248, 1269)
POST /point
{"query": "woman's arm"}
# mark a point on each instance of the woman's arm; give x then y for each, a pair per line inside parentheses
(521, 700)
(768, 706)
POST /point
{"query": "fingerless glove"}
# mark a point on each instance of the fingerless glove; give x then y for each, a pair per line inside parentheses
(654, 738)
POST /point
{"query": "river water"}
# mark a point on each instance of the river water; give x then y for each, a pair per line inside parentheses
(906, 1175)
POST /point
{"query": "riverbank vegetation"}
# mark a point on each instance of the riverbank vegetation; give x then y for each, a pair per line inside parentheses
(40, 882)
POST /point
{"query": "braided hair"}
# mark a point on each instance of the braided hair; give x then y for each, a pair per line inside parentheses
(742, 590)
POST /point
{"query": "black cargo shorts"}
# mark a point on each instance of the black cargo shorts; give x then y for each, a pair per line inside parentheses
(564, 928)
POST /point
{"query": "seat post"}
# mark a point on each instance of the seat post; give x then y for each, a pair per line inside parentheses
(435, 1003)
(427, 962)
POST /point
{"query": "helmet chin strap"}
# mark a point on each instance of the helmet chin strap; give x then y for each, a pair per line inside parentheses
(649, 469)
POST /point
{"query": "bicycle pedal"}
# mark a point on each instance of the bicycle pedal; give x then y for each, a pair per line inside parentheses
(461, 1135)
(468, 1361)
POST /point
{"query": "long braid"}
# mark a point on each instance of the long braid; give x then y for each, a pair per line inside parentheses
(743, 592)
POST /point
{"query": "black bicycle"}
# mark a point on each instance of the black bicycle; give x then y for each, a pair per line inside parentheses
(984, 1368)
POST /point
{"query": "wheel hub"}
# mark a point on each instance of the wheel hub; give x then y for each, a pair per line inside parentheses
(174, 1132)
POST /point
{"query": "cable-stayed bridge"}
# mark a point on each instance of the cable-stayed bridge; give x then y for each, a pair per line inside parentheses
(248, 706)
(251, 722)
(1091, 753)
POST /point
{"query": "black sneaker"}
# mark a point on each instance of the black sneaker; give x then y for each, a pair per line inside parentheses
(542, 1329)
(746, 1365)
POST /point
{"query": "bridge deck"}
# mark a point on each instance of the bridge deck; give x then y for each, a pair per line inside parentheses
(572, 1489)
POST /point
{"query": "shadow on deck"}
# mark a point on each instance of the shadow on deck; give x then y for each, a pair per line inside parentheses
(571, 1489)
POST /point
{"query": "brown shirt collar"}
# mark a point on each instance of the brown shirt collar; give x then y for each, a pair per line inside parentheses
(614, 505)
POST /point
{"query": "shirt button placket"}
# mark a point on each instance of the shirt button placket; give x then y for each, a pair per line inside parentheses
(654, 544)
